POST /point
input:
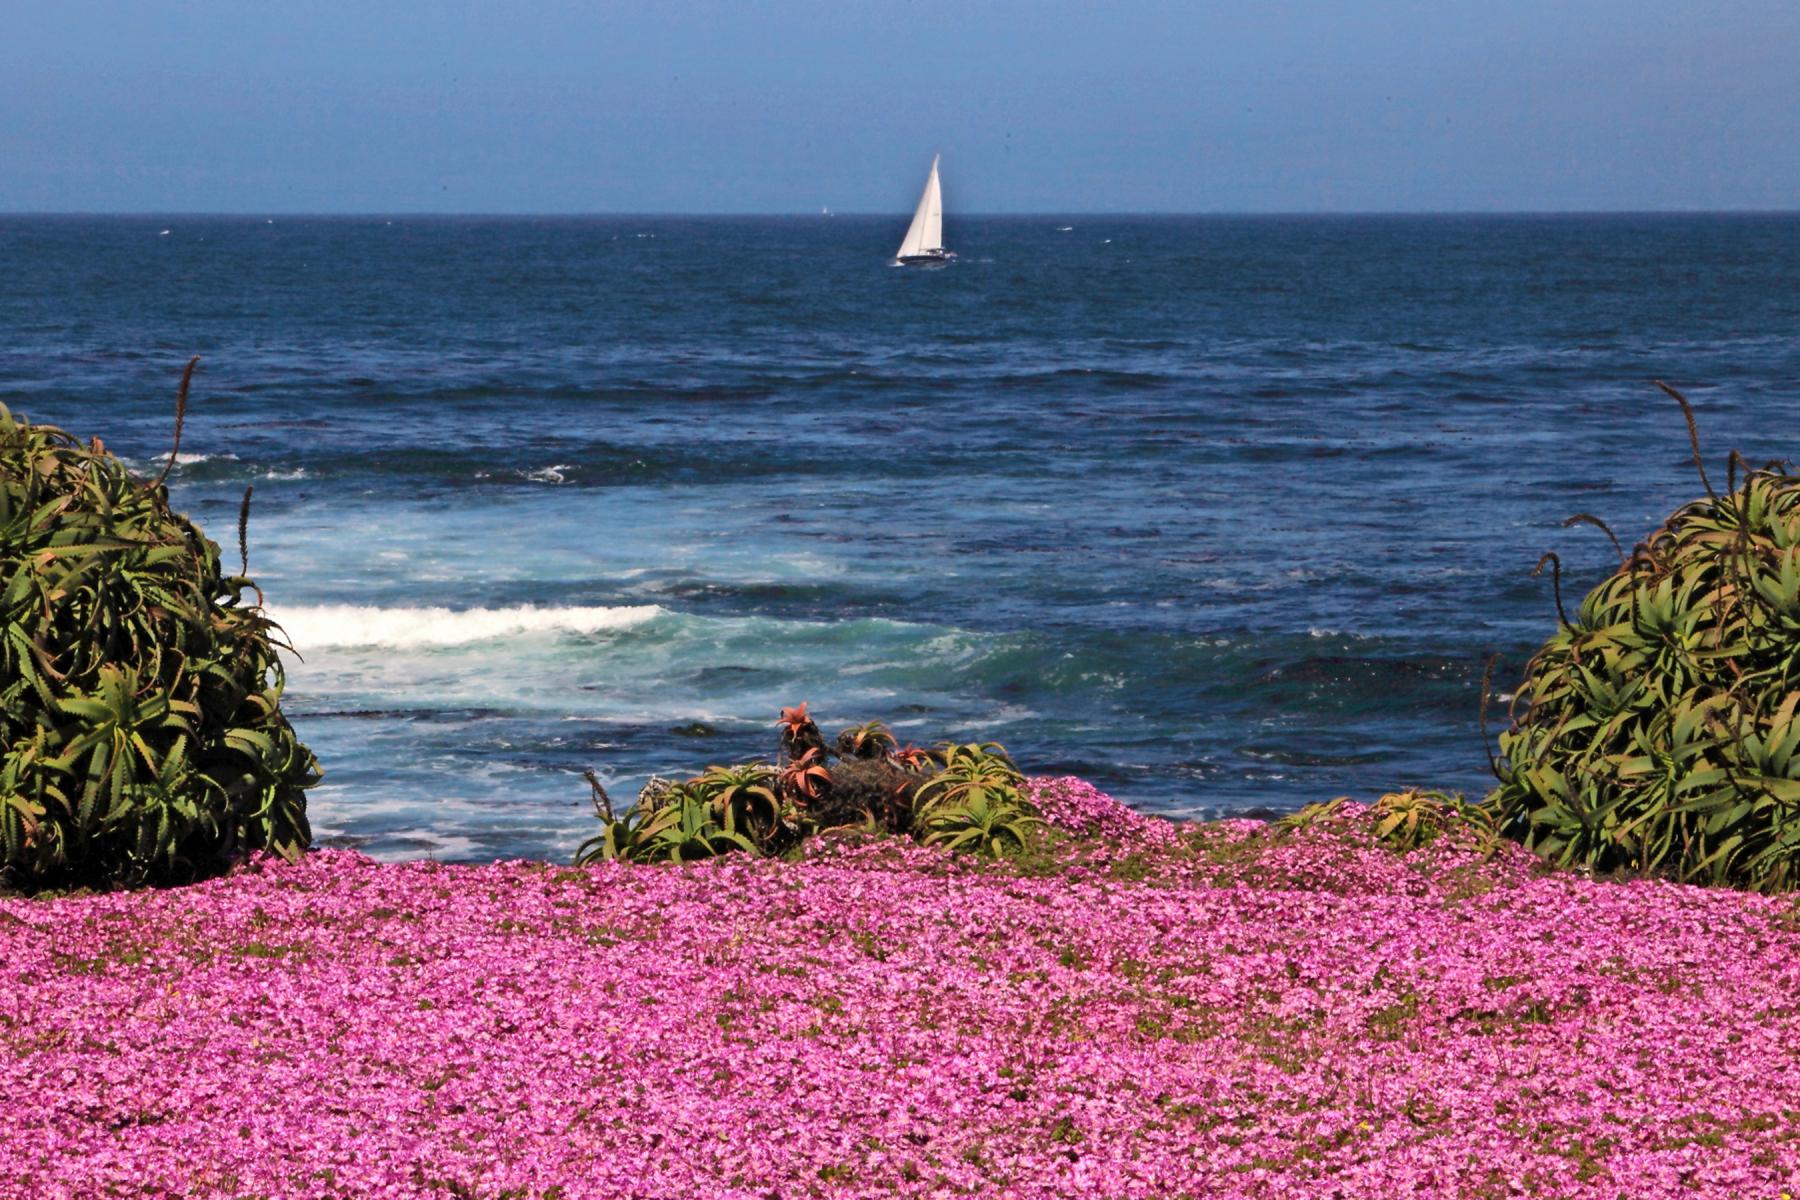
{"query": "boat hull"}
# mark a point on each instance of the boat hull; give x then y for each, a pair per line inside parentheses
(935, 258)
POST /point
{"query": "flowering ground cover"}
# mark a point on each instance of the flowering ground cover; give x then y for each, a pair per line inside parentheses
(1149, 1010)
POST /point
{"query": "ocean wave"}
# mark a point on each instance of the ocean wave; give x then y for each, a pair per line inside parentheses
(225, 467)
(555, 473)
(183, 458)
(313, 626)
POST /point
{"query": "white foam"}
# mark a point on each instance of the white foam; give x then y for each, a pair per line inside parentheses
(155, 462)
(313, 626)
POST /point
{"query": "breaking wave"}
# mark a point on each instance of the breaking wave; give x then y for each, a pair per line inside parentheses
(310, 627)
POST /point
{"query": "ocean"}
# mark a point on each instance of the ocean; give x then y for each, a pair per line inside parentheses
(1222, 513)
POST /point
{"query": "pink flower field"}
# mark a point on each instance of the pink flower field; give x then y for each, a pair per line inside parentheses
(1150, 1010)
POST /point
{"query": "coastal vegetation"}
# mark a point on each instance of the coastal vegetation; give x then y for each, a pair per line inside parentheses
(1409, 820)
(966, 797)
(1656, 731)
(140, 688)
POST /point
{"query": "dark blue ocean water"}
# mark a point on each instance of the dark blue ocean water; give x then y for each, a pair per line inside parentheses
(1220, 513)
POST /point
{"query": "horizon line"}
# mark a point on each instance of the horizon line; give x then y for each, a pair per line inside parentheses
(623, 214)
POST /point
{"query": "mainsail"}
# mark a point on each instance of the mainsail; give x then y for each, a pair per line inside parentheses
(926, 233)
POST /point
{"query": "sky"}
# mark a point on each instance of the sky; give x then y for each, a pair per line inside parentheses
(387, 106)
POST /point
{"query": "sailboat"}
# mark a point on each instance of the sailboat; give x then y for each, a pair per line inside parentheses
(924, 242)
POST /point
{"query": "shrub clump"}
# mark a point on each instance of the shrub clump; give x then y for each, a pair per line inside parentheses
(1406, 821)
(1656, 731)
(962, 797)
(139, 689)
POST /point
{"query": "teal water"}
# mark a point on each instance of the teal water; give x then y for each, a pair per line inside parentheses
(1221, 513)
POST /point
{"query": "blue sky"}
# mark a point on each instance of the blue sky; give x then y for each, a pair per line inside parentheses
(791, 105)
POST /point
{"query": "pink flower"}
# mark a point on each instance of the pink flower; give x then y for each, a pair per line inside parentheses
(1202, 1010)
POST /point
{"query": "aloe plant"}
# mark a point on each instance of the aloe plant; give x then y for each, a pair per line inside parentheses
(799, 733)
(806, 778)
(1408, 819)
(985, 823)
(871, 739)
(623, 836)
(972, 772)
(692, 827)
(967, 797)
(746, 796)
(681, 824)
(140, 687)
(1656, 732)
(915, 759)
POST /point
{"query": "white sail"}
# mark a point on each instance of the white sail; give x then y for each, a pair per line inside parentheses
(926, 233)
